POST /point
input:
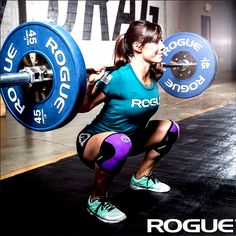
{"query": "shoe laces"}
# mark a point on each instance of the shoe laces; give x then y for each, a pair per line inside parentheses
(152, 178)
(105, 205)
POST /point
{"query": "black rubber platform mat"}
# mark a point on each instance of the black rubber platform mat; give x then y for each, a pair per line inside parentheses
(201, 170)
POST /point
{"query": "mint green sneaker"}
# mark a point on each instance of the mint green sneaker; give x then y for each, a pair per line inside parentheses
(105, 211)
(150, 183)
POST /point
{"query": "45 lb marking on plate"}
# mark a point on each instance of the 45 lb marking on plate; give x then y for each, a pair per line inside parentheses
(30, 37)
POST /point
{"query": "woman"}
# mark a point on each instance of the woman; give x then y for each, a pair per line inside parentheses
(123, 126)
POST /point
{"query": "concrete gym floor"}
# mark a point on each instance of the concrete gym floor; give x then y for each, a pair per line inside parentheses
(23, 149)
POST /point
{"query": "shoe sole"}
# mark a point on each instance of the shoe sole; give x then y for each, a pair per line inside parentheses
(104, 220)
(147, 189)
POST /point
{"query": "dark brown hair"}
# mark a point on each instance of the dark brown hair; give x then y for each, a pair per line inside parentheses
(140, 31)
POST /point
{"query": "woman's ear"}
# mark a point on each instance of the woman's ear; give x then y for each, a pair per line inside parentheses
(137, 47)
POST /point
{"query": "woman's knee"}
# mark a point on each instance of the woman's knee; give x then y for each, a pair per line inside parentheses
(171, 136)
(114, 151)
(108, 151)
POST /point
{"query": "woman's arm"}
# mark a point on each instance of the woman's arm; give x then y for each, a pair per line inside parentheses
(92, 99)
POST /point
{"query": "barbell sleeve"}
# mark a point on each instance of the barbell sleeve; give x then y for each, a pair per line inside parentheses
(10, 79)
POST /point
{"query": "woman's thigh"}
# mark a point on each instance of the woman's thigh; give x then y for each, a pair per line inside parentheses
(91, 150)
(156, 131)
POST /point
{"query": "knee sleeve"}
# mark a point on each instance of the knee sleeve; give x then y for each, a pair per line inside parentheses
(114, 150)
(170, 138)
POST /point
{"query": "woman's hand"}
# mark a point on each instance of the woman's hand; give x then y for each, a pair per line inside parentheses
(158, 70)
(94, 77)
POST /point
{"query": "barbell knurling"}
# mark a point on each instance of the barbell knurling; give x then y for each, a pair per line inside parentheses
(171, 65)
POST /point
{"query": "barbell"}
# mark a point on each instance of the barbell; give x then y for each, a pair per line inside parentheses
(43, 73)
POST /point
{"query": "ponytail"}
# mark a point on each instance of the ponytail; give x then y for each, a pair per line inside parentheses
(121, 57)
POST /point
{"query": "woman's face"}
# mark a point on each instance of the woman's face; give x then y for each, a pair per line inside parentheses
(152, 52)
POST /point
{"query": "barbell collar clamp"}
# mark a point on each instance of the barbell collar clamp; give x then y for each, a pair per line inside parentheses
(38, 73)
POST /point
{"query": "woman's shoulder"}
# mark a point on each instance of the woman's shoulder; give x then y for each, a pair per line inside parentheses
(121, 71)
